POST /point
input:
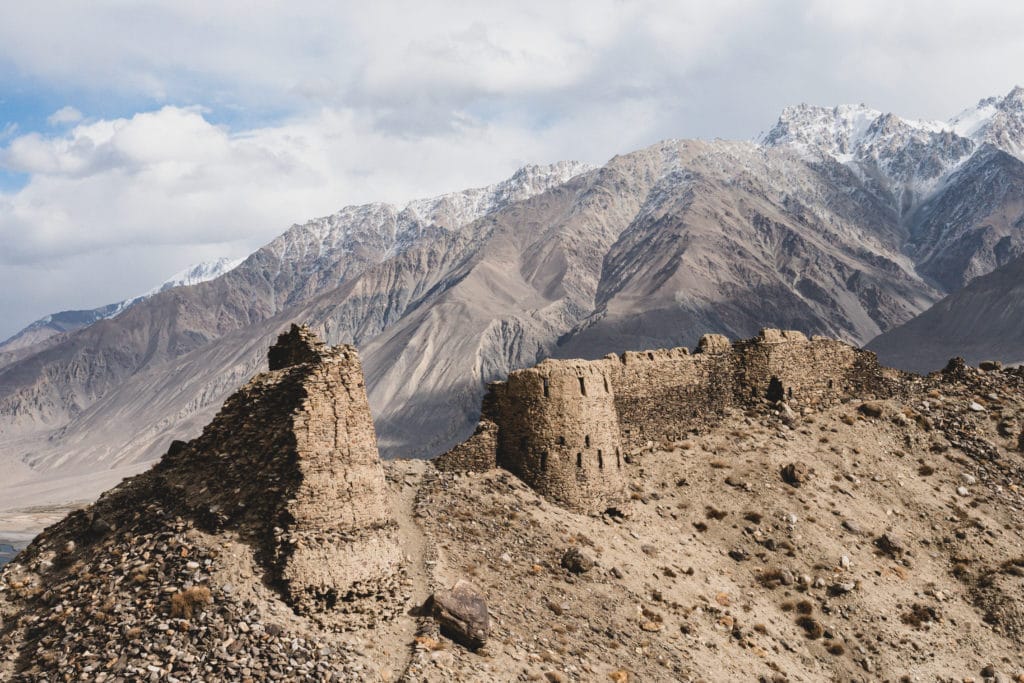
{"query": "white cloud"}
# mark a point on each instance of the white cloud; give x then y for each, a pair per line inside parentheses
(173, 188)
(390, 100)
(64, 116)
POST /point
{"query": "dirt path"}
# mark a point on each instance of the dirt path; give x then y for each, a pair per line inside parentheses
(396, 640)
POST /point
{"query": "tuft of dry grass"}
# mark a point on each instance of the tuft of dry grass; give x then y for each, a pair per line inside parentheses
(184, 604)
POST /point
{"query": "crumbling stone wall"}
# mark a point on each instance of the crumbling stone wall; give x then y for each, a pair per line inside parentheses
(559, 423)
(660, 394)
(476, 454)
(559, 432)
(291, 462)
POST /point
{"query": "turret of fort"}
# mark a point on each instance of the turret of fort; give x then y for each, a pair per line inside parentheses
(559, 432)
(563, 426)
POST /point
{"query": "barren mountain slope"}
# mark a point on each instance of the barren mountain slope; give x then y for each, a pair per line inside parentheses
(982, 321)
(738, 234)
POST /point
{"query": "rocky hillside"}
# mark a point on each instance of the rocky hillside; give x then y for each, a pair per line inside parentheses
(844, 222)
(982, 321)
(832, 536)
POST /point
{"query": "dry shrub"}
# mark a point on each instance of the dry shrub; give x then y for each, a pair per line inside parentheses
(771, 578)
(920, 615)
(713, 513)
(185, 603)
(811, 626)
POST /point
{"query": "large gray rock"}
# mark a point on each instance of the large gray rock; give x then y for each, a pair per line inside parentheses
(462, 614)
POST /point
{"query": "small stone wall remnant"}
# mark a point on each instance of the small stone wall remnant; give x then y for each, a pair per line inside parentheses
(476, 454)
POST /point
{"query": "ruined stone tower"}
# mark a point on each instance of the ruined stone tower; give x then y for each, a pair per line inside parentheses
(560, 433)
(291, 462)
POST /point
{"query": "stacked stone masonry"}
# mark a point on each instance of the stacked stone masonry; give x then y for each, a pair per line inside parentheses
(291, 461)
(564, 426)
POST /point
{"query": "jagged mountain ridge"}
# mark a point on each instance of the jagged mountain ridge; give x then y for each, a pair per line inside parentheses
(30, 339)
(647, 251)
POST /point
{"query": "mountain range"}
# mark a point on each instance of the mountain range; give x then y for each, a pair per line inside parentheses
(30, 339)
(842, 221)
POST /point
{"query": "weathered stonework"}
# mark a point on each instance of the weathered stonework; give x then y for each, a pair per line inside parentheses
(563, 426)
(291, 461)
(559, 432)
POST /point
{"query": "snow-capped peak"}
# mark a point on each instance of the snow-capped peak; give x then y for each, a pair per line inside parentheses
(68, 321)
(996, 120)
(193, 275)
(903, 154)
(809, 128)
(842, 130)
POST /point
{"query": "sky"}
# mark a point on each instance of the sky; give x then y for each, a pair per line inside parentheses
(137, 138)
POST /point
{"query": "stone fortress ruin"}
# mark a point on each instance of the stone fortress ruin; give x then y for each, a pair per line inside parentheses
(564, 426)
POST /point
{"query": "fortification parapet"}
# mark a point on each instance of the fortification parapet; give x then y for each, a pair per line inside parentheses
(714, 343)
(559, 432)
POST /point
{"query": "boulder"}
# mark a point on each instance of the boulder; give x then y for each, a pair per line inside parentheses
(577, 561)
(872, 408)
(462, 614)
(890, 545)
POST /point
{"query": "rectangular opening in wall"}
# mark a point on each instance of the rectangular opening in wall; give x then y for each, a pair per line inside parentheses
(561, 441)
(618, 458)
(583, 387)
(606, 389)
(579, 460)
(547, 387)
(600, 459)
(586, 441)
